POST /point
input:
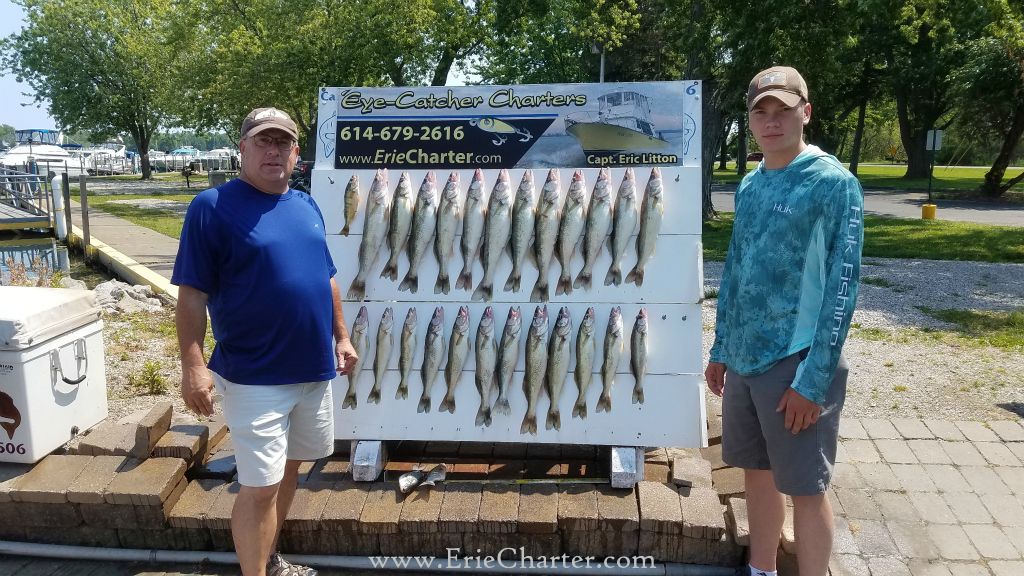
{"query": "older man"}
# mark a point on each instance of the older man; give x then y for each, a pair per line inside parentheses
(253, 252)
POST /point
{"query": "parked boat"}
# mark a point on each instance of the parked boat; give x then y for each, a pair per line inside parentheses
(45, 149)
(622, 123)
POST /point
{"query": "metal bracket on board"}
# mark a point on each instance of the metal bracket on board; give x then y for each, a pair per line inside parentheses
(627, 466)
(368, 459)
(58, 370)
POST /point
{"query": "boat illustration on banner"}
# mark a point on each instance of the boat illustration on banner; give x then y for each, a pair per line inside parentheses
(621, 123)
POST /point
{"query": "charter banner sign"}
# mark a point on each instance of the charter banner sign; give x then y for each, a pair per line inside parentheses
(522, 126)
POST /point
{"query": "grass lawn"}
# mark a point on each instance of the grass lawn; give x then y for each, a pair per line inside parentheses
(944, 178)
(167, 222)
(906, 238)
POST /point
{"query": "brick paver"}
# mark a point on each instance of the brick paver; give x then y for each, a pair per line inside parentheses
(919, 567)
(880, 429)
(861, 451)
(896, 451)
(964, 453)
(851, 428)
(967, 507)
(878, 475)
(858, 504)
(976, 431)
(951, 542)
(912, 540)
(912, 428)
(945, 429)
(896, 507)
(929, 451)
(872, 538)
(947, 478)
(984, 480)
(932, 507)
(913, 478)
(997, 454)
(888, 566)
(1008, 430)
(1007, 510)
(1006, 568)
(991, 542)
(847, 565)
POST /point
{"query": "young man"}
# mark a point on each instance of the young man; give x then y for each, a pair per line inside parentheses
(254, 253)
(784, 307)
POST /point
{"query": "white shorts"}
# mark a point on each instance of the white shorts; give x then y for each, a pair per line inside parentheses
(272, 424)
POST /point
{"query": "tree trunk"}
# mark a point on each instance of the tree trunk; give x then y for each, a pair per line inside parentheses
(444, 65)
(723, 156)
(741, 145)
(858, 136)
(914, 139)
(711, 133)
(992, 187)
(142, 138)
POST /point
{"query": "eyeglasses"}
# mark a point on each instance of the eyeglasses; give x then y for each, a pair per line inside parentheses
(264, 141)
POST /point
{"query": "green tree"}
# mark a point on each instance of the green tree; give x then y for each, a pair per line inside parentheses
(100, 66)
(7, 134)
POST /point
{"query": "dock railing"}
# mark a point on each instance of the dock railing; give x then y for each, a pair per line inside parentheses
(26, 192)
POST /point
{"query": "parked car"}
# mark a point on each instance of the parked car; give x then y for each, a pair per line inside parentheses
(755, 156)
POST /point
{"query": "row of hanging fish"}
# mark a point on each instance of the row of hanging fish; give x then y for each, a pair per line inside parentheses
(546, 361)
(519, 221)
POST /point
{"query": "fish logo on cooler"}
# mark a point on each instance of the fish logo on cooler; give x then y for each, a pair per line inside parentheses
(10, 417)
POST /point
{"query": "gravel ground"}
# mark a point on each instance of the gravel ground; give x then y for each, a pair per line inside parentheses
(896, 370)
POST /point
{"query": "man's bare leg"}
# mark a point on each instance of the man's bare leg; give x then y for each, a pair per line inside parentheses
(766, 509)
(813, 528)
(285, 495)
(253, 521)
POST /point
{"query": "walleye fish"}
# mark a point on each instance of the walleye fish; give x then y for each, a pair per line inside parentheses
(570, 230)
(612, 355)
(410, 480)
(433, 354)
(472, 228)
(486, 358)
(623, 226)
(424, 220)
(375, 227)
(361, 342)
(351, 202)
(385, 340)
(449, 212)
(407, 350)
(599, 223)
(523, 217)
(586, 350)
(497, 229)
(651, 211)
(436, 474)
(638, 355)
(546, 233)
(508, 356)
(458, 352)
(536, 367)
(402, 204)
(558, 366)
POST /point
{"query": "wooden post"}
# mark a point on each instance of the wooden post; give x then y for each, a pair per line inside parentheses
(85, 212)
(65, 191)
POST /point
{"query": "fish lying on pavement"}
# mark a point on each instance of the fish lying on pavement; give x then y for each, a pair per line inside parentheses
(410, 480)
(385, 340)
(458, 352)
(638, 355)
(570, 230)
(375, 227)
(599, 223)
(497, 229)
(651, 211)
(523, 217)
(437, 474)
(508, 356)
(486, 357)
(623, 226)
(536, 367)
(472, 229)
(351, 203)
(433, 354)
(586, 349)
(558, 366)
(449, 212)
(546, 234)
(361, 342)
(612, 354)
(424, 221)
(402, 204)
(406, 352)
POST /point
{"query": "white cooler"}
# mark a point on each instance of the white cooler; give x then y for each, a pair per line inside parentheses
(52, 379)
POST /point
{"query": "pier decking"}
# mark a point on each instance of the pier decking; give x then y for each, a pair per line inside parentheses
(25, 201)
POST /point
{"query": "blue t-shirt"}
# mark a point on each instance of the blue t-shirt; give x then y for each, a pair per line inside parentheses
(790, 278)
(262, 260)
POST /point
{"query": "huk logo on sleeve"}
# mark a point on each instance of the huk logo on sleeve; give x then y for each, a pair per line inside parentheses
(10, 417)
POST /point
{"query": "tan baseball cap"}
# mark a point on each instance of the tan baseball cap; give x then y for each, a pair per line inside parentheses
(780, 82)
(262, 119)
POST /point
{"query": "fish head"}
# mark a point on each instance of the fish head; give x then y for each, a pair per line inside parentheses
(526, 184)
(564, 322)
(462, 320)
(588, 320)
(353, 182)
(388, 319)
(514, 320)
(615, 320)
(577, 190)
(378, 189)
(476, 186)
(641, 320)
(540, 318)
(627, 189)
(501, 191)
(438, 318)
(654, 185)
(487, 320)
(428, 189)
(603, 187)
(451, 188)
(552, 188)
(411, 319)
(362, 319)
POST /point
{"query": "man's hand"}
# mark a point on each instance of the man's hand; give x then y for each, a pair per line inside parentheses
(197, 390)
(800, 412)
(715, 377)
(345, 356)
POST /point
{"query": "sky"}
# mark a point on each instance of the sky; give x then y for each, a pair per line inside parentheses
(11, 110)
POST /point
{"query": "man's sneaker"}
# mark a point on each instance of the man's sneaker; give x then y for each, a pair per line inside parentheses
(278, 566)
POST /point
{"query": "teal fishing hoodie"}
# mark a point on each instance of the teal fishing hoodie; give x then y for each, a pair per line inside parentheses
(790, 278)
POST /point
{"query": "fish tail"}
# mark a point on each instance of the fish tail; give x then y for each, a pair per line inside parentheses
(350, 400)
(390, 270)
(465, 280)
(483, 292)
(374, 396)
(448, 404)
(529, 425)
(564, 285)
(443, 285)
(501, 406)
(636, 276)
(402, 392)
(554, 420)
(638, 394)
(424, 405)
(579, 410)
(344, 230)
(604, 403)
(411, 282)
(512, 284)
(583, 280)
(357, 291)
(614, 276)
(540, 291)
(483, 416)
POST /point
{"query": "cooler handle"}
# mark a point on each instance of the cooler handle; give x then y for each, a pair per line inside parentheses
(80, 354)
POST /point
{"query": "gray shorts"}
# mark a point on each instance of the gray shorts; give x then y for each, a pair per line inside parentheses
(754, 434)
